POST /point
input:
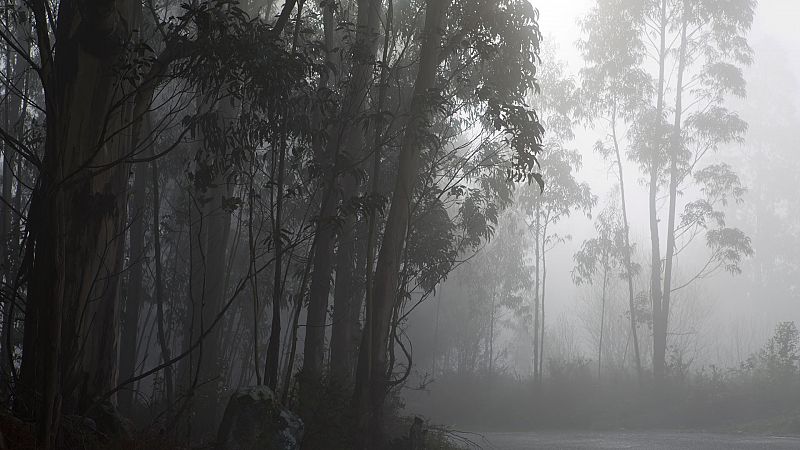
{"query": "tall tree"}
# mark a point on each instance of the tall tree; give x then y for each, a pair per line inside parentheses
(603, 256)
(78, 212)
(562, 195)
(617, 90)
(504, 75)
(343, 150)
(704, 44)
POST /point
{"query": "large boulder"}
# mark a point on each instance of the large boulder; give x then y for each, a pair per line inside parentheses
(255, 420)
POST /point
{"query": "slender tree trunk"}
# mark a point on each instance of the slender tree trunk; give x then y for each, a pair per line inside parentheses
(209, 249)
(348, 135)
(536, 290)
(133, 300)
(659, 334)
(251, 246)
(196, 295)
(273, 347)
(602, 320)
(364, 361)
(544, 290)
(14, 118)
(491, 338)
(628, 264)
(159, 288)
(676, 144)
(371, 387)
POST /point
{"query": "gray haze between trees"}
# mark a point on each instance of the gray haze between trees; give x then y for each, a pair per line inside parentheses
(400, 224)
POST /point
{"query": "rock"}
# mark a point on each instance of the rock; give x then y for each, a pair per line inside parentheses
(416, 435)
(255, 420)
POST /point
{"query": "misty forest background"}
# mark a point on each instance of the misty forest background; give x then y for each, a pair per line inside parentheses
(380, 208)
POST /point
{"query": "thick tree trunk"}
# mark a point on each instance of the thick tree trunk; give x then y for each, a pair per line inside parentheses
(77, 217)
(371, 387)
(211, 370)
(344, 302)
(344, 147)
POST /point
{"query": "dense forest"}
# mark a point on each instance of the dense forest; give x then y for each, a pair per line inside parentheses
(345, 223)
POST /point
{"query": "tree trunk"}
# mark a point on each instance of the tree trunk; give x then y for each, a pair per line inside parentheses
(14, 117)
(219, 221)
(344, 302)
(273, 347)
(135, 295)
(371, 387)
(158, 287)
(544, 290)
(536, 290)
(348, 135)
(628, 264)
(676, 143)
(659, 334)
(77, 217)
(602, 319)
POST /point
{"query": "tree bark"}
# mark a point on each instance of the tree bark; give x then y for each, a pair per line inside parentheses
(273, 347)
(159, 288)
(602, 319)
(536, 290)
(371, 387)
(347, 136)
(627, 256)
(77, 216)
(344, 302)
(135, 295)
(659, 334)
(544, 290)
(675, 146)
(14, 117)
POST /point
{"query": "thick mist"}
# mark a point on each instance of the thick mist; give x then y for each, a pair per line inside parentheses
(475, 337)
(399, 224)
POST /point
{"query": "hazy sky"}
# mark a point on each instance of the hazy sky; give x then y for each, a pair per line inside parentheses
(775, 31)
(776, 21)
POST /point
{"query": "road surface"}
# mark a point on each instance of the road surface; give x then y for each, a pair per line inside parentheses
(646, 440)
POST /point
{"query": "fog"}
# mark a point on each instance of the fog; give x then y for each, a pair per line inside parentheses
(399, 224)
(718, 321)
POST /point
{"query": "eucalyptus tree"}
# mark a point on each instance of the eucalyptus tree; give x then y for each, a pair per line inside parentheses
(77, 216)
(99, 82)
(16, 131)
(544, 208)
(693, 50)
(345, 146)
(483, 289)
(499, 41)
(617, 90)
(604, 257)
(558, 193)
